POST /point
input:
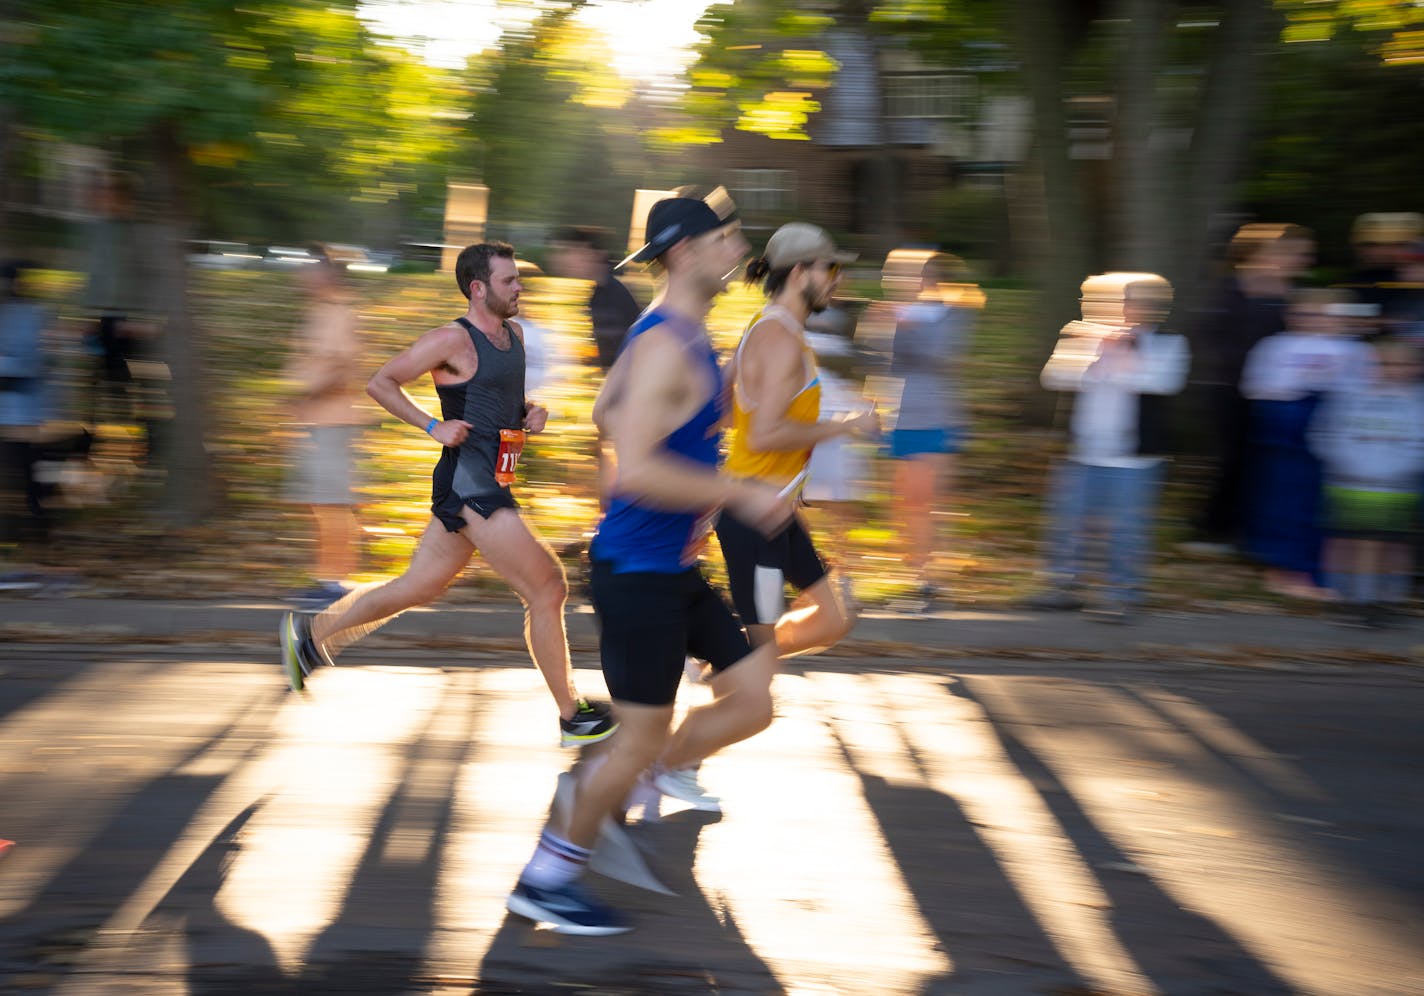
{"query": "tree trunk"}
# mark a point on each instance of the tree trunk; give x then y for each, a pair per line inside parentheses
(1062, 260)
(1221, 138)
(188, 485)
(1142, 231)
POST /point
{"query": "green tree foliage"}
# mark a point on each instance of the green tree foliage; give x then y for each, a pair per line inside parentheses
(561, 135)
(1340, 136)
(263, 103)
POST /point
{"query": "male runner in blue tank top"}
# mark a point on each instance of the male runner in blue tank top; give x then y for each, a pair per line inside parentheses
(662, 407)
(477, 363)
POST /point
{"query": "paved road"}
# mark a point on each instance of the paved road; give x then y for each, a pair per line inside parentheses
(990, 826)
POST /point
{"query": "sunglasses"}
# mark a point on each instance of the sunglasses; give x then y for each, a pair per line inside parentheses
(833, 268)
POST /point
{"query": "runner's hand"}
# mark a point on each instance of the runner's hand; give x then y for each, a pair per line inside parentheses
(452, 432)
(865, 425)
(762, 508)
(535, 417)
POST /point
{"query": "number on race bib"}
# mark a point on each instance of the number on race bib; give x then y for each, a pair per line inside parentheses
(511, 445)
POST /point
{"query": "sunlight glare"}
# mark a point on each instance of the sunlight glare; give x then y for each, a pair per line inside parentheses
(290, 877)
(802, 867)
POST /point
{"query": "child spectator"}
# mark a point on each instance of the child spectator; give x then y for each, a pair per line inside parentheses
(1369, 435)
(1114, 470)
(1284, 377)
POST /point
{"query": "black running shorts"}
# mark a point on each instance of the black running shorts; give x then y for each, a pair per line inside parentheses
(649, 625)
(446, 507)
(758, 568)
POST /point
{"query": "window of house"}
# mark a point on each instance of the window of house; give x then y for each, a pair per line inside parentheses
(761, 190)
(924, 95)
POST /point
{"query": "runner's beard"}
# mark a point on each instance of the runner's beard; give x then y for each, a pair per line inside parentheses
(504, 307)
(817, 301)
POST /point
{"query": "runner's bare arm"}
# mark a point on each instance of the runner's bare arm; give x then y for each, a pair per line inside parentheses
(431, 351)
(774, 372)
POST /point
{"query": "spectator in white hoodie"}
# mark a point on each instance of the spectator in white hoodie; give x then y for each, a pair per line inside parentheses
(1369, 435)
(1114, 469)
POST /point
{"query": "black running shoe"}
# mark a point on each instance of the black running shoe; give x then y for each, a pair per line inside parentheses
(591, 723)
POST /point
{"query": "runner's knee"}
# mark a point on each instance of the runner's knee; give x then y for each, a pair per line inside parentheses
(758, 709)
(552, 588)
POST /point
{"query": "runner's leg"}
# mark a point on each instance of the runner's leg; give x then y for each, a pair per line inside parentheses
(819, 619)
(530, 567)
(438, 559)
(741, 707)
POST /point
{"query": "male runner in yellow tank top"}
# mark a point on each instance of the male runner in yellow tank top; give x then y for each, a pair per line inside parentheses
(776, 422)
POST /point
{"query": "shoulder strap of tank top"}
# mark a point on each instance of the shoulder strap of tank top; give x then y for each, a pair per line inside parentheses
(471, 328)
(782, 314)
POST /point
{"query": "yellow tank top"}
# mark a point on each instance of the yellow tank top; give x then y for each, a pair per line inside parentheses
(772, 466)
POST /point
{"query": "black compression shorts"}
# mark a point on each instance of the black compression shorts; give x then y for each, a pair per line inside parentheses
(758, 568)
(649, 625)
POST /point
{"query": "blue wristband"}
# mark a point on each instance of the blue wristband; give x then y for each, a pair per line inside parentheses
(433, 423)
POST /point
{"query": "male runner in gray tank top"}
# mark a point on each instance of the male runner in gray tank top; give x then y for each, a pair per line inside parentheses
(477, 363)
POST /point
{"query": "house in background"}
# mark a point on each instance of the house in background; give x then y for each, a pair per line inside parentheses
(894, 141)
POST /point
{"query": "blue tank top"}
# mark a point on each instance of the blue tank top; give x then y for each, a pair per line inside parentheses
(633, 537)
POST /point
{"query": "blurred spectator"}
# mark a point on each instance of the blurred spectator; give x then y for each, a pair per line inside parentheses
(119, 296)
(1369, 435)
(839, 469)
(1265, 262)
(1381, 241)
(931, 338)
(1120, 372)
(581, 252)
(1405, 316)
(543, 362)
(23, 408)
(325, 373)
(1284, 378)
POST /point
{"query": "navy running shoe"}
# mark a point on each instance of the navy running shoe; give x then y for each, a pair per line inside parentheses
(568, 909)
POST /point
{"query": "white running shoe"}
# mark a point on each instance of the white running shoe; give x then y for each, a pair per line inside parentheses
(682, 784)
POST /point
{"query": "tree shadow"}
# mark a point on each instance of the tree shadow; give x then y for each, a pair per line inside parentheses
(981, 923)
(85, 892)
(1358, 747)
(1172, 946)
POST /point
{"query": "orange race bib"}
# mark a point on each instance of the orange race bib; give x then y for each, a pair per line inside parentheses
(511, 445)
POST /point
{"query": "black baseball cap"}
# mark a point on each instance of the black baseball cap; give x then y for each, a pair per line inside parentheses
(673, 219)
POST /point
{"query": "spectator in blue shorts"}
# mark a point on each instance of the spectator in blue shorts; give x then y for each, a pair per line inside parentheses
(931, 337)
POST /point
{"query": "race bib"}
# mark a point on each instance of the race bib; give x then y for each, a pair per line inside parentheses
(511, 445)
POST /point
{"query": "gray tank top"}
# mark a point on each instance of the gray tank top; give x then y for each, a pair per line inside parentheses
(491, 400)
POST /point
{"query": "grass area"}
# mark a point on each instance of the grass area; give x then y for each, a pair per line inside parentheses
(257, 544)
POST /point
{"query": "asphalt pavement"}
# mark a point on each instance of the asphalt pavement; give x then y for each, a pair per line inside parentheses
(961, 802)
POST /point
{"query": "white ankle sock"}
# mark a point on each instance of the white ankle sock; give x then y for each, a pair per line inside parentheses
(555, 862)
